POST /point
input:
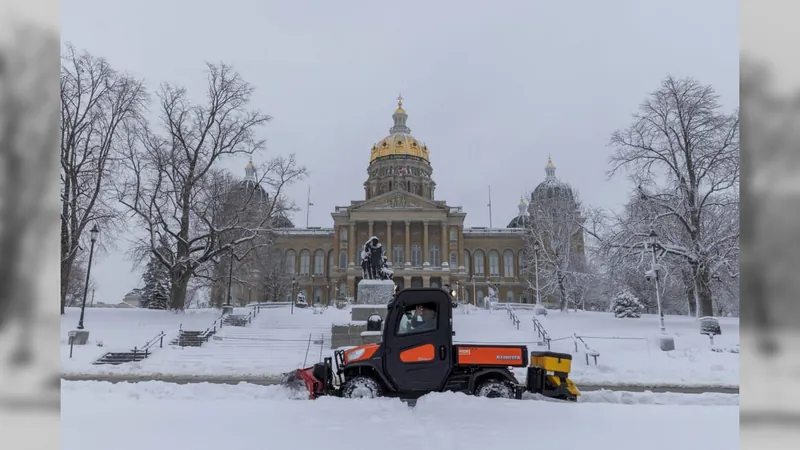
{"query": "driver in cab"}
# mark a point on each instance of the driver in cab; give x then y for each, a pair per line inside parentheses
(422, 319)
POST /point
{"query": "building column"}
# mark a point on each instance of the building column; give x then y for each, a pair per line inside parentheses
(389, 240)
(408, 243)
(426, 281)
(351, 246)
(406, 282)
(460, 239)
(371, 229)
(425, 253)
(445, 248)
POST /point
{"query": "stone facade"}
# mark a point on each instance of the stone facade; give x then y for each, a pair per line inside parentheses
(426, 242)
(425, 239)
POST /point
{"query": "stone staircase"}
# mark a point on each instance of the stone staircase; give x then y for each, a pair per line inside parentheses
(116, 358)
(189, 338)
(134, 355)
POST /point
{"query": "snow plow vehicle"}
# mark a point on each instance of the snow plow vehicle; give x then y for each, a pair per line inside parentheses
(417, 356)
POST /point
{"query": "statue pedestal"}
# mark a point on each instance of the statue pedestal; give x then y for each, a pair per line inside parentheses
(375, 292)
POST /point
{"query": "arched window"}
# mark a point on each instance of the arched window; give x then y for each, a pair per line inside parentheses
(416, 255)
(494, 263)
(398, 255)
(508, 264)
(305, 262)
(480, 296)
(317, 296)
(521, 262)
(435, 259)
(291, 262)
(331, 263)
(510, 296)
(467, 258)
(453, 261)
(343, 260)
(319, 262)
(479, 261)
(343, 234)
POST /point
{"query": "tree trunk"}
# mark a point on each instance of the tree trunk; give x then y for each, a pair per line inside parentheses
(705, 297)
(180, 285)
(688, 284)
(563, 292)
(66, 271)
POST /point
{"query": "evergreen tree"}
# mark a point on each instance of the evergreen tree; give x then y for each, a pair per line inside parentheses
(625, 305)
(156, 291)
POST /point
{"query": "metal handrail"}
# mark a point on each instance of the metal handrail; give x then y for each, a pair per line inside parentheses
(159, 337)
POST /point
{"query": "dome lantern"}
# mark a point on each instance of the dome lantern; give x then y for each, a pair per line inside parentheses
(250, 172)
(550, 169)
(400, 144)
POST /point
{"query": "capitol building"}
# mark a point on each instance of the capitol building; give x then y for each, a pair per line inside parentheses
(425, 239)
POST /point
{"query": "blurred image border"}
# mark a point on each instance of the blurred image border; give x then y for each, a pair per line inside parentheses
(30, 423)
(768, 40)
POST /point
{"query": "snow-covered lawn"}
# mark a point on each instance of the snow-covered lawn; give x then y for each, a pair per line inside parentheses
(102, 416)
(629, 348)
(278, 341)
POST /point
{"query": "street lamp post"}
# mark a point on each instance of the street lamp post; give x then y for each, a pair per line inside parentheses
(93, 233)
(536, 271)
(230, 278)
(327, 294)
(294, 288)
(655, 246)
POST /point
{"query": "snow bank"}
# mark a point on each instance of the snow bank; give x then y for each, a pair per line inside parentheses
(96, 415)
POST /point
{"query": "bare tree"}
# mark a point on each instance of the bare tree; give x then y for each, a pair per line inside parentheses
(277, 282)
(175, 188)
(556, 225)
(683, 154)
(95, 100)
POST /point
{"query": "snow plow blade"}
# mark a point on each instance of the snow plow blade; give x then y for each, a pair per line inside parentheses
(314, 380)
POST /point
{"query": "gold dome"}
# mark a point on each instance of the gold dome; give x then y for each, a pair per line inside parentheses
(399, 144)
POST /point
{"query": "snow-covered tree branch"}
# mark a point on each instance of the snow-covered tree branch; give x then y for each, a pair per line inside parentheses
(177, 190)
(682, 153)
(96, 101)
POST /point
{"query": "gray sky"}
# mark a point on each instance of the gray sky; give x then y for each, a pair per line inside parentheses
(490, 89)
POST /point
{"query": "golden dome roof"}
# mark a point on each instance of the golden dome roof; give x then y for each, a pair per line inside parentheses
(399, 144)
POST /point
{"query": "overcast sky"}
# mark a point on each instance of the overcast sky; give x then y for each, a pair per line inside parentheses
(490, 87)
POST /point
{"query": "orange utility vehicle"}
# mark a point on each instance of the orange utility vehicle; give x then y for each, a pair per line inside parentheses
(417, 356)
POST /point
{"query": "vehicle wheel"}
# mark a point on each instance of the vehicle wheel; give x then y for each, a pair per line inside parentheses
(361, 387)
(494, 389)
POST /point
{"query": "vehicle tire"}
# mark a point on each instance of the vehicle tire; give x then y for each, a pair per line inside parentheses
(361, 387)
(494, 389)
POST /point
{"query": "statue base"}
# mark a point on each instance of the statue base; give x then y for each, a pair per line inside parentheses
(375, 292)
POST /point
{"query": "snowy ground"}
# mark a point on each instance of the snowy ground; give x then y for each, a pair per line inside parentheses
(101, 416)
(278, 341)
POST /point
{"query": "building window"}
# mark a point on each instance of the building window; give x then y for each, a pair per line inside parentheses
(319, 262)
(317, 295)
(291, 261)
(479, 261)
(416, 255)
(434, 256)
(453, 235)
(305, 262)
(343, 260)
(467, 258)
(508, 264)
(343, 234)
(521, 262)
(331, 263)
(494, 263)
(510, 296)
(480, 296)
(453, 260)
(398, 255)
